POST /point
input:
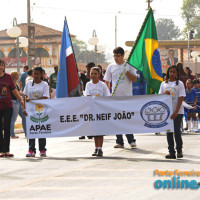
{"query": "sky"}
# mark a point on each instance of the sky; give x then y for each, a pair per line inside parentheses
(84, 16)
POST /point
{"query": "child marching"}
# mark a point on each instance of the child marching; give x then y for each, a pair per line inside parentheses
(96, 88)
(36, 89)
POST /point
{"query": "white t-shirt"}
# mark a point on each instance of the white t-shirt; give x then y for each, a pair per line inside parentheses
(176, 91)
(29, 78)
(124, 87)
(98, 89)
(37, 90)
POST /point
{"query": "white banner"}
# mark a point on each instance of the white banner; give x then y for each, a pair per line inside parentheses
(83, 116)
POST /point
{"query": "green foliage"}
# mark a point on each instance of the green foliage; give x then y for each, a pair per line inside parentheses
(191, 15)
(166, 29)
(85, 56)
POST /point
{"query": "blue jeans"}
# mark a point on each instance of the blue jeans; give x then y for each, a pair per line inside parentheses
(42, 144)
(17, 110)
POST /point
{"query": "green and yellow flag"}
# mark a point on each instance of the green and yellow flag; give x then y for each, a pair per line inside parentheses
(145, 55)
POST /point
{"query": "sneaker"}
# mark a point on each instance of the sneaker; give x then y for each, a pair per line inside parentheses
(170, 156)
(43, 153)
(90, 137)
(119, 146)
(82, 137)
(95, 152)
(99, 153)
(179, 154)
(133, 144)
(30, 154)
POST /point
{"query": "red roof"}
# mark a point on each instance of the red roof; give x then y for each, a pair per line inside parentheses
(43, 34)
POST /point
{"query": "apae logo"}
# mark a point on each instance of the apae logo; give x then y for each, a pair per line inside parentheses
(39, 110)
(39, 116)
(155, 114)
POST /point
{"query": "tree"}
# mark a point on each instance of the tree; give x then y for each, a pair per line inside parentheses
(191, 15)
(166, 29)
(85, 56)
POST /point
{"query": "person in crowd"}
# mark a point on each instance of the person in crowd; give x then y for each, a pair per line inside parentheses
(196, 84)
(86, 78)
(104, 72)
(44, 76)
(36, 89)
(182, 75)
(29, 76)
(6, 108)
(17, 108)
(188, 71)
(22, 80)
(101, 72)
(171, 60)
(124, 88)
(191, 99)
(174, 87)
(53, 82)
(96, 88)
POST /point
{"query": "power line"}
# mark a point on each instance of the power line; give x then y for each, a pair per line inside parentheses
(103, 12)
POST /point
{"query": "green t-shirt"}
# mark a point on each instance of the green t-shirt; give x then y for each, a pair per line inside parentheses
(53, 77)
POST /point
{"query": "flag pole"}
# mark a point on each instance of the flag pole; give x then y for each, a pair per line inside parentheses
(133, 48)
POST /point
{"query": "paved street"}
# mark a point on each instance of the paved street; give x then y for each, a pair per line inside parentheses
(70, 172)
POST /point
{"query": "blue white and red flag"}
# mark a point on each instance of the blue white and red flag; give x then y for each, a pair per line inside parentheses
(67, 80)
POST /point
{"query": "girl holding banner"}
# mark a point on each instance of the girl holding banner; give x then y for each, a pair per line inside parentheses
(36, 89)
(174, 87)
(96, 88)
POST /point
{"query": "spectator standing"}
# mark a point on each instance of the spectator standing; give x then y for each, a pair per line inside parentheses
(29, 76)
(124, 87)
(53, 82)
(22, 81)
(86, 77)
(182, 75)
(6, 108)
(101, 72)
(17, 108)
(188, 71)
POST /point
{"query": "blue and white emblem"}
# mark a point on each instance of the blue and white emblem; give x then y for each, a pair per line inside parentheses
(155, 114)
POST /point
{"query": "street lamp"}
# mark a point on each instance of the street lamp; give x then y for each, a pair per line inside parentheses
(195, 55)
(94, 41)
(15, 32)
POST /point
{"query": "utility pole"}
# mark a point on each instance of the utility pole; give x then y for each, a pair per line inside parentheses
(115, 31)
(28, 24)
(116, 28)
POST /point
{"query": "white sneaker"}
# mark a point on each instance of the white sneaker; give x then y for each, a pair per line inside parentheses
(133, 144)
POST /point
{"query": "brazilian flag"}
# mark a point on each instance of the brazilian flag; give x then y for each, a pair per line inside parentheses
(145, 55)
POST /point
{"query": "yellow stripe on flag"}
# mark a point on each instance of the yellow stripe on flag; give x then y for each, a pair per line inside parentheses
(150, 46)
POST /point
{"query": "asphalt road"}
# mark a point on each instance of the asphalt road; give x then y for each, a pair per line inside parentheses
(70, 172)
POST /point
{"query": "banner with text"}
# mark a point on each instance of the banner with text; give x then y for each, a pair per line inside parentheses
(83, 116)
